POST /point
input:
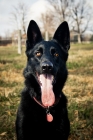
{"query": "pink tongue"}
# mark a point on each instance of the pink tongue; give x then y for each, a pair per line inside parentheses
(47, 96)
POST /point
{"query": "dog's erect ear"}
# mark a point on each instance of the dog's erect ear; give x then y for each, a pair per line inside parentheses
(62, 35)
(33, 34)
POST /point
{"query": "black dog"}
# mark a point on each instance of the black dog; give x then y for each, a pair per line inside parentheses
(42, 113)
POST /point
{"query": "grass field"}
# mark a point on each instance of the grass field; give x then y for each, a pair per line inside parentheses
(78, 89)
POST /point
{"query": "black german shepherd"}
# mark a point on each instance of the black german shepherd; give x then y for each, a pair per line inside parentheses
(42, 113)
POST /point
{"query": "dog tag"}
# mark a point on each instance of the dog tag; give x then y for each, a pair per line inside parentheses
(49, 117)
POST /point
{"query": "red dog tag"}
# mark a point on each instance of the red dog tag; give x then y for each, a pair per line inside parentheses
(49, 117)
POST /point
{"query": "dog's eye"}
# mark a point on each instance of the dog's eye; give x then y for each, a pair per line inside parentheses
(38, 54)
(56, 54)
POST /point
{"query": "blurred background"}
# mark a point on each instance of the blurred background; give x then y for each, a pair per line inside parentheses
(15, 15)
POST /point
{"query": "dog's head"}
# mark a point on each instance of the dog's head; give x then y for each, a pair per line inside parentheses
(46, 62)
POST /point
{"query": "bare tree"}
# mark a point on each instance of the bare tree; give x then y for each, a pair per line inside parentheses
(55, 15)
(62, 9)
(76, 12)
(18, 17)
(81, 17)
(46, 19)
(48, 22)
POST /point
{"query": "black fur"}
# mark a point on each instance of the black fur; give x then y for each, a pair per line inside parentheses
(49, 58)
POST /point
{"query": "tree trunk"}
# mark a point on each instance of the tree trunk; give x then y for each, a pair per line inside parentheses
(46, 36)
(19, 42)
(79, 38)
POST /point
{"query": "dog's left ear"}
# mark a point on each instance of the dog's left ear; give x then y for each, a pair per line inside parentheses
(62, 35)
(33, 34)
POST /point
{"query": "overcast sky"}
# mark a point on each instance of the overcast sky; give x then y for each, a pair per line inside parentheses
(6, 8)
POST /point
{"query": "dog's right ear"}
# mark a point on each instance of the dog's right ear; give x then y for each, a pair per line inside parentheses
(33, 35)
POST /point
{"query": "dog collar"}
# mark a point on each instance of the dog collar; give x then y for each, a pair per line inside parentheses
(49, 115)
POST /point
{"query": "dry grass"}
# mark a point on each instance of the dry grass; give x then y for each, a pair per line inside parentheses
(78, 89)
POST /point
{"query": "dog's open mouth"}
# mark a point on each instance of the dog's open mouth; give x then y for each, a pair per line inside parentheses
(46, 84)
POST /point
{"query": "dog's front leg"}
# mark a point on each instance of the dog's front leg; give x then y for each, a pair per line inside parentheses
(65, 124)
(23, 130)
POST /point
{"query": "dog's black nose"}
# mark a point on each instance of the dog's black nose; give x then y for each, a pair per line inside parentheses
(47, 66)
